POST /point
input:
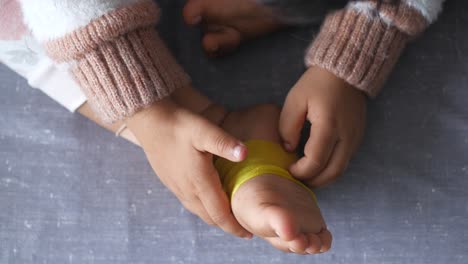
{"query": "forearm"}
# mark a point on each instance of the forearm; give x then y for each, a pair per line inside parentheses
(117, 57)
(362, 42)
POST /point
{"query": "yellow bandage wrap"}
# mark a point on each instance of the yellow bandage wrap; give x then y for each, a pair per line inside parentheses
(263, 157)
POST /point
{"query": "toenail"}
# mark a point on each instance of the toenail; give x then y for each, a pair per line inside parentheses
(196, 20)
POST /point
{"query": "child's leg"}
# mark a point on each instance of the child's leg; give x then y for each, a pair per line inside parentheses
(227, 23)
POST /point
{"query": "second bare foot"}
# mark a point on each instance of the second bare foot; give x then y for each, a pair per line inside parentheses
(228, 23)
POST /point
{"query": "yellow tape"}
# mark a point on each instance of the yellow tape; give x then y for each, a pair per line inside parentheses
(263, 157)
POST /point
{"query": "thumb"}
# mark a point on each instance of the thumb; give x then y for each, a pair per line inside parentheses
(292, 120)
(216, 141)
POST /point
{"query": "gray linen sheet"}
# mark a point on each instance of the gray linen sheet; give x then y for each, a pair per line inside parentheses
(70, 192)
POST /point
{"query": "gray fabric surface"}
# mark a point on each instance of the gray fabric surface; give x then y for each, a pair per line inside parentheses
(71, 192)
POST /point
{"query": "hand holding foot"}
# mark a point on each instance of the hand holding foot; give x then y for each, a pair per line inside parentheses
(337, 112)
(165, 131)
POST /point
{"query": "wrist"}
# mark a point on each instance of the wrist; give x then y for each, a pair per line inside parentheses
(197, 103)
(191, 99)
(152, 118)
(329, 80)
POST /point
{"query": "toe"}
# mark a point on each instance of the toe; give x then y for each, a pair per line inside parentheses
(221, 41)
(193, 12)
(326, 238)
(299, 244)
(282, 223)
(278, 244)
(315, 244)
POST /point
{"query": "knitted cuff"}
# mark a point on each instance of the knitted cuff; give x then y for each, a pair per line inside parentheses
(362, 42)
(120, 62)
(357, 48)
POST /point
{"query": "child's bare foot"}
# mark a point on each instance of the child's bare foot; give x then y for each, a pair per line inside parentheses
(269, 206)
(227, 23)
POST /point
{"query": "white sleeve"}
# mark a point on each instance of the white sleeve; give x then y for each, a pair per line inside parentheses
(430, 9)
(25, 57)
(50, 19)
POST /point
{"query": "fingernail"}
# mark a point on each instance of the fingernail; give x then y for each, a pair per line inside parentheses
(237, 152)
(196, 20)
(287, 146)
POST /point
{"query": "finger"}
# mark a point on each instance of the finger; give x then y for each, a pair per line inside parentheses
(223, 40)
(216, 203)
(292, 119)
(317, 152)
(214, 113)
(215, 140)
(336, 166)
(196, 207)
(193, 12)
(190, 202)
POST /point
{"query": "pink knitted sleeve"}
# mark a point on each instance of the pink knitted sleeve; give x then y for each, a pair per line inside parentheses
(362, 43)
(119, 61)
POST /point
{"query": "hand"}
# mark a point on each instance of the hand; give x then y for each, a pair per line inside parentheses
(180, 146)
(337, 113)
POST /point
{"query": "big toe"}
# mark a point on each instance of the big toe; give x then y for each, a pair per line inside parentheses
(281, 223)
(298, 245)
(193, 11)
(223, 40)
(288, 230)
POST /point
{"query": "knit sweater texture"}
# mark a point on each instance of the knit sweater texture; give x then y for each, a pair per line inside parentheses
(123, 66)
(362, 42)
